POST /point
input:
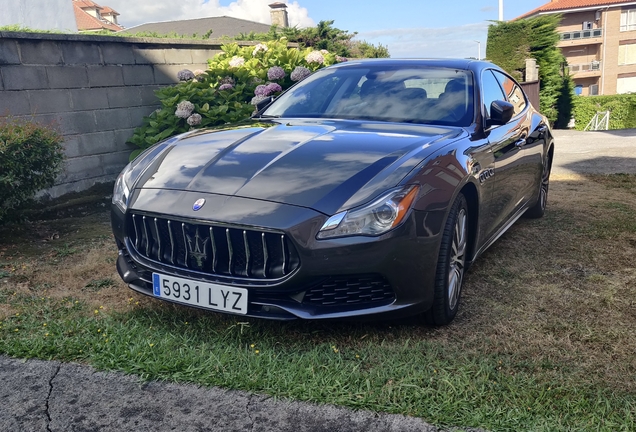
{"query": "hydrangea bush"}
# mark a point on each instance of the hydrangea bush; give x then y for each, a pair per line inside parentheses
(236, 80)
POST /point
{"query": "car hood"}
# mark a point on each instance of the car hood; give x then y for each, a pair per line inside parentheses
(324, 165)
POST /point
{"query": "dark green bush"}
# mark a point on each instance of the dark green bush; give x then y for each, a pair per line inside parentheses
(31, 156)
(622, 110)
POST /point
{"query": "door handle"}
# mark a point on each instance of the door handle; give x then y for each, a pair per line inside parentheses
(520, 143)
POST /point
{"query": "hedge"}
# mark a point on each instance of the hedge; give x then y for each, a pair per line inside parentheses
(622, 110)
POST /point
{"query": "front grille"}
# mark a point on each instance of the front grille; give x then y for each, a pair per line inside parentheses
(350, 290)
(213, 249)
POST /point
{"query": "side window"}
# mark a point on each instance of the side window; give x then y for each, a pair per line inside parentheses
(513, 92)
(491, 90)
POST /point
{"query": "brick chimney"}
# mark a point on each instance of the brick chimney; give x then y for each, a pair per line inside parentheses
(278, 12)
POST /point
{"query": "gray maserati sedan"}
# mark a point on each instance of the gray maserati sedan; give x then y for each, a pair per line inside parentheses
(366, 189)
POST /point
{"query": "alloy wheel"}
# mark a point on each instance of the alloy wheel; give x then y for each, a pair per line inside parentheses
(457, 259)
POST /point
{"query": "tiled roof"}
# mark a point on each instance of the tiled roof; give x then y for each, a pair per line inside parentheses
(87, 22)
(109, 11)
(556, 6)
(86, 4)
(220, 26)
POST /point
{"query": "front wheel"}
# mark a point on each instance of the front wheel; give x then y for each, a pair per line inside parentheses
(450, 265)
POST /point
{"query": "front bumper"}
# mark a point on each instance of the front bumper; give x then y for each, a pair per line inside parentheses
(391, 275)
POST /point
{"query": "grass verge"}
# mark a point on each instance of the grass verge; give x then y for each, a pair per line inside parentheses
(545, 339)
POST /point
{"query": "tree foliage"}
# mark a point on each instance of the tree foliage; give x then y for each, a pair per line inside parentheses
(511, 43)
(322, 37)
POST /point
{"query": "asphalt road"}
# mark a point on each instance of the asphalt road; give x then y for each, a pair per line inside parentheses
(607, 152)
(57, 397)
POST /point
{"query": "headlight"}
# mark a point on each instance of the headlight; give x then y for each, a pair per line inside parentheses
(382, 215)
(121, 192)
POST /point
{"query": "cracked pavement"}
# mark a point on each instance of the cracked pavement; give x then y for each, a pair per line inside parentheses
(65, 397)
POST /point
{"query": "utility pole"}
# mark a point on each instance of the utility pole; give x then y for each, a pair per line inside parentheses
(478, 50)
(500, 10)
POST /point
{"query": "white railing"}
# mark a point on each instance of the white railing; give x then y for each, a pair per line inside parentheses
(600, 121)
(581, 34)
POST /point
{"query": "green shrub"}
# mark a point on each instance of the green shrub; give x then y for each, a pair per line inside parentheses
(228, 90)
(30, 158)
(622, 110)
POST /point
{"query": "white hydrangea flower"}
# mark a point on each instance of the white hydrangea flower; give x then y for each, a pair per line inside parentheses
(258, 48)
(194, 120)
(237, 62)
(315, 57)
(184, 109)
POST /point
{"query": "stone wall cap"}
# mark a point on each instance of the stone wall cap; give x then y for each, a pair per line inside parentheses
(64, 37)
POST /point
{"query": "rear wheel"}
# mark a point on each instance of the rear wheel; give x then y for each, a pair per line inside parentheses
(451, 265)
(538, 209)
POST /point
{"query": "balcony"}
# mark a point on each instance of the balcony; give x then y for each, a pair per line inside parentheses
(581, 37)
(585, 70)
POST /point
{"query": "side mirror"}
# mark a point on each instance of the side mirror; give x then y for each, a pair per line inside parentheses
(500, 113)
(263, 104)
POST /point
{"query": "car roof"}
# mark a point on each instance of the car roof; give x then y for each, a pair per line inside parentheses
(467, 64)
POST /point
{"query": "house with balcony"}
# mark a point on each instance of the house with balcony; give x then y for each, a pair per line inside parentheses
(598, 40)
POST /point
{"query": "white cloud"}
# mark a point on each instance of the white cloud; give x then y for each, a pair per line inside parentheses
(431, 42)
(137, 12)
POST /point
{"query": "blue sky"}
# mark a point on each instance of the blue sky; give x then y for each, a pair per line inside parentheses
(410, 28)
(420, 28)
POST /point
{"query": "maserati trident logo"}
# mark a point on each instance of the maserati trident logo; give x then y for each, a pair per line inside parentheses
(198, 204)
(197, 248)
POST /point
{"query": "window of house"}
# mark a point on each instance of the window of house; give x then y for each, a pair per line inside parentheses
(627, 54)
(628, 19)
(626, 85)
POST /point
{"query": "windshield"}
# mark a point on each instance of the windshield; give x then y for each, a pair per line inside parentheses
(386, 93)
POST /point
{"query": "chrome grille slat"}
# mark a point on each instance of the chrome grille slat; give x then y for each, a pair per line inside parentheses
(265, 254)
(134, 219)
(158, 237)
(185, 242)
(147, 238)
(229, 248)
(282, 245)
(171, 242)
(245, 253)
(214, 255)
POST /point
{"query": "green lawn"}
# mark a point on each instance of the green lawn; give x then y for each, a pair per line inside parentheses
(545, 339)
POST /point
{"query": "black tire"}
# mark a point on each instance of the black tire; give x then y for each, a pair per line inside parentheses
(451, 265)
(538, 209)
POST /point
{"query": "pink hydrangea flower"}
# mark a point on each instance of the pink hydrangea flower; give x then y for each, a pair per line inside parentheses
(300, 73)
(276, 73)
(341, 59)
(185, 75)
(226, 87)
(261, 90)
(273, 88)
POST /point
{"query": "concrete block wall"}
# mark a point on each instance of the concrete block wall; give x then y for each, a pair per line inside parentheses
(96, 88)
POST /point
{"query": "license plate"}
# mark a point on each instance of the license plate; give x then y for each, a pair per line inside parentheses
(202, 294)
